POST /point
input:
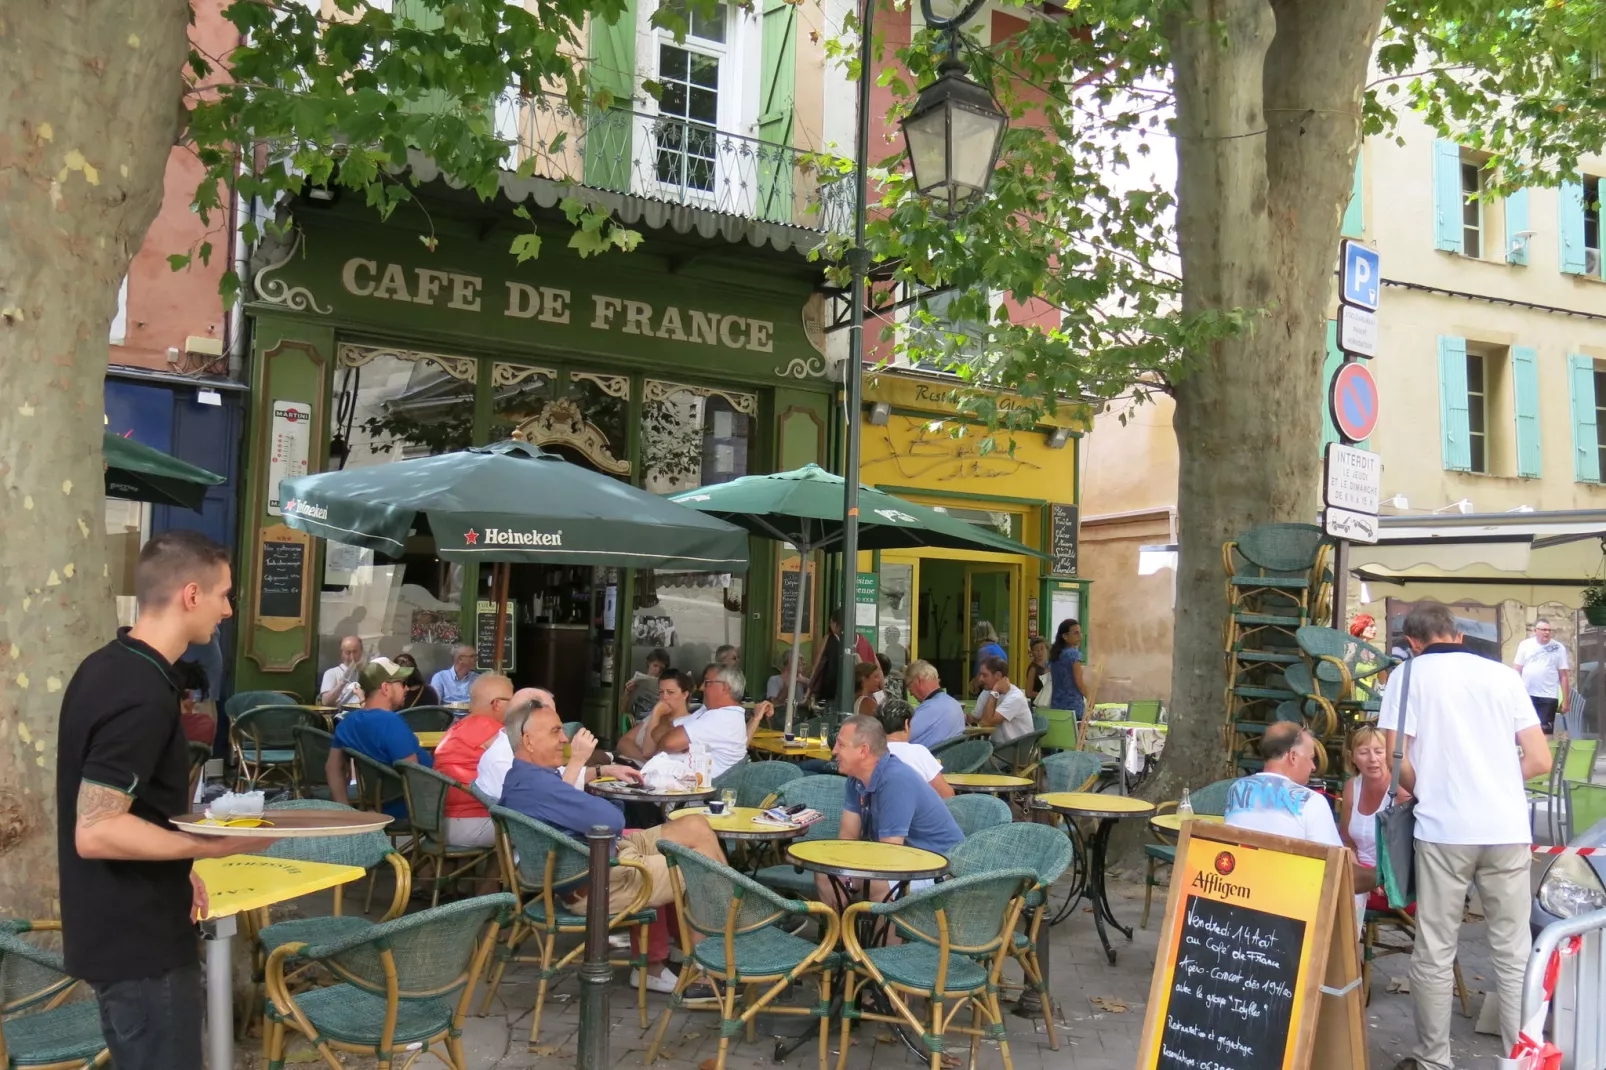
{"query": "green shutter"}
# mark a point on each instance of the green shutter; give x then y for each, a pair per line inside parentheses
(1330, 364)
(777, 94)
(1525, 369)
(1516, 224)
(1353, 215)
(1586, 445)
(1570, 226)
(1454, 425)
(1447, 201)
(421, 16)
(608, 131)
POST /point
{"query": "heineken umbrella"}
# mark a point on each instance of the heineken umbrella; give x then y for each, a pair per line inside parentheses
(804, 508)
(510, 502)
(138, 473)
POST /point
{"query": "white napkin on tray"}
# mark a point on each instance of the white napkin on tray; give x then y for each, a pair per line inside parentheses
(668, 772)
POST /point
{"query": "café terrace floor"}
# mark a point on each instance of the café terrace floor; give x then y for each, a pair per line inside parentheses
(1102, 1008)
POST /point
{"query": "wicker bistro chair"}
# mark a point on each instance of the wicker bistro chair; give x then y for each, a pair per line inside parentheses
(1072, 770)
(823, 793)
(966, 756)
(1210, 800)
(540, 865)
(732, 777)
(974, 812)
(957, 935)
(427, 718)
(404, 985)
(312, 756)
(761, 781)
(243, 701)
(1004, 848)
(943, 747)
(39, 1028)
(742, 946)
(378, 785)
(200, 754)
(426, 791)
(263, 745)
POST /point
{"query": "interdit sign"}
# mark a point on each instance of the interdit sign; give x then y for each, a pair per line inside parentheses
(550, 304)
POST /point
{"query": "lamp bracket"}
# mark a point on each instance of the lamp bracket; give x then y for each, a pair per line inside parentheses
(951, 25)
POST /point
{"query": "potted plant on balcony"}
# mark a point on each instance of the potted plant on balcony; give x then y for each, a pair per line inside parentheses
(1595, 603)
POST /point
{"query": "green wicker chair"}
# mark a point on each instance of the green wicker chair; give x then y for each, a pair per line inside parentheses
(966, 756)
(242, 701)
(1210, 800)
(1004, 848)
(263, 745)
(426, 791)
(957, 935)
(367, 850)
(312, 758)
(404, 986)
(1071, 770)
(39, 1029)
(822, 793)
(541, 865)
(974, 812)
(200, 754)
(378, 785)
(1586, 807)
(427, 718)
(731, 777)
(939, 749)
(742, 946)
(762, 780)
(1021, 757)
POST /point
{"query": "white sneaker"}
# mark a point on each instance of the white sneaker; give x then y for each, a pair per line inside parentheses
(663, 981)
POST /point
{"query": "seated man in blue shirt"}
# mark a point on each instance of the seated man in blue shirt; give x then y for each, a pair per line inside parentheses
(452, 683)
(938, 717)
(886, 801)
(537, 787)
(376, 731)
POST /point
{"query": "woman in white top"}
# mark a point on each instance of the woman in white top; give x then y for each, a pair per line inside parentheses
(1362, 799)
(895, 715)
(867, 681)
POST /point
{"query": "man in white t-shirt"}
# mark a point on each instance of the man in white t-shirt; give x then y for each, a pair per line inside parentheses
(1276, 800)
(895, 716)
(720, 725)
(1471, 740)
(1003, 707)
(1543, 664)
(339, 685)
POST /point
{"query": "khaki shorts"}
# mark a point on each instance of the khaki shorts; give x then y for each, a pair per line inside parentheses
(624, 882)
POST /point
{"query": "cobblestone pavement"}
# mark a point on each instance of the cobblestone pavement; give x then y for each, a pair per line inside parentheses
(1102, 1009)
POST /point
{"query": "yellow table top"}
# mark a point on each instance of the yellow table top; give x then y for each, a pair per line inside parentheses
(1128, 724)
(776, 744)
(986, 780)
(973, 730)
(1090, 802)
(1172, 822)
(867, 856)
(738, 822)
(430, 740)
(248, 882)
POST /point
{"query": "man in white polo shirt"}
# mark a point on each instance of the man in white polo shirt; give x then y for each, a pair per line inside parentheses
(720, 725)
(1002, 706)
(1471, 740)
(1543, 664)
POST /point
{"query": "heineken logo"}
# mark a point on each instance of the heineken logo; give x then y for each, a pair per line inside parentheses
(896, 516)
(306, 509)
(509, 537)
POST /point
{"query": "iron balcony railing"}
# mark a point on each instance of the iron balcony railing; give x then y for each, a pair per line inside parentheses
(676, 160)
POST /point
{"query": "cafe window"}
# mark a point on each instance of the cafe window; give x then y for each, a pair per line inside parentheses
(583, 416)
(693, 436)
(690, 615)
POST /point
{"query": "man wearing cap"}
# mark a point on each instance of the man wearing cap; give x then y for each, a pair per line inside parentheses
(376, 731)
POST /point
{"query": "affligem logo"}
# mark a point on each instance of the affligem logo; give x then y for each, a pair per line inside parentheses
(1225, 863)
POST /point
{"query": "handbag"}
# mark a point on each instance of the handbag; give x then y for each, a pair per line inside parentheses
(1396, 823)
(1045, 692)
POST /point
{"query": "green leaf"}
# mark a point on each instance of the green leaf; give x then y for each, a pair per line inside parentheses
(178, 261)
(525, 247)
(588, 242)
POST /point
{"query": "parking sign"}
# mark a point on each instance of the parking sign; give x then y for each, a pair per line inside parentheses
(1361, 276)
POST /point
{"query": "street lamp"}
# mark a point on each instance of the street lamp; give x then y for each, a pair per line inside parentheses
(953, 135)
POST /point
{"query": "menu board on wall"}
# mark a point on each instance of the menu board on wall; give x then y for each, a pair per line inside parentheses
(790, 587)
(1062, 539)
(281, 580)
(485, 636)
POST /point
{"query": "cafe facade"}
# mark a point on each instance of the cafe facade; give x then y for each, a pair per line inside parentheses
(697, 357)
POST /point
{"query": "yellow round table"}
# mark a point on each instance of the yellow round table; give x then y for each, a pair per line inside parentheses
(867, 860)
(742, 824)
(1172, 822)
(1108, 809)
(991, 783)
(430, 740)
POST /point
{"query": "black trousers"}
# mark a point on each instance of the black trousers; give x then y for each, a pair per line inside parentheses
(154, 1023)
(1546, 709)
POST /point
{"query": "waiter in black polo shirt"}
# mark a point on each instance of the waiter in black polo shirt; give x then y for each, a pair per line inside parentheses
(128, 895)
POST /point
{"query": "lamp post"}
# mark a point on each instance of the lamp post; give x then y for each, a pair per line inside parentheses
(953, 135)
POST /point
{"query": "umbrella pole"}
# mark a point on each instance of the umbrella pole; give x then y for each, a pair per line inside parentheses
(797, 628)
(499, 584)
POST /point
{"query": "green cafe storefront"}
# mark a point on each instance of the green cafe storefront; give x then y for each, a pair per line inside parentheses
(693, 359)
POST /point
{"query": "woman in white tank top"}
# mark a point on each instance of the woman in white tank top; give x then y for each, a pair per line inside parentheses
(1364, 793)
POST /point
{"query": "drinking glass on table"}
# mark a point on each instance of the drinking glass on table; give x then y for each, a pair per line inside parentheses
(728, 797)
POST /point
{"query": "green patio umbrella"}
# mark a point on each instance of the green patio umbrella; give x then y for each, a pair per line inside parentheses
(510, 502)
(138, 473)
(803, 507)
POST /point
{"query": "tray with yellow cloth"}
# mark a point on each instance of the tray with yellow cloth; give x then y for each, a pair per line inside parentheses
(285, 824)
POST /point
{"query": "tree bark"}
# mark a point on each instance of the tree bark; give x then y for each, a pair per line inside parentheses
(90, 97)
(1267, 130)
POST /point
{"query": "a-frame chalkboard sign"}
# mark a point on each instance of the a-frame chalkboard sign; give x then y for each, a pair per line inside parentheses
(1258, 965)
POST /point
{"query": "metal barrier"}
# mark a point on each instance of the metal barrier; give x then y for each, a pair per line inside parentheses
(1567, 970)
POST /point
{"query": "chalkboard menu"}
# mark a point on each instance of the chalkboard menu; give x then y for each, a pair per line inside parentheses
(485, 637)
(792, 587)
(1062, 539)
(1257, 966)
(282, 578)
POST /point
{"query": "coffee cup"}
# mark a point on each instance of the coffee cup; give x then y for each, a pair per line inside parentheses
(716, 807)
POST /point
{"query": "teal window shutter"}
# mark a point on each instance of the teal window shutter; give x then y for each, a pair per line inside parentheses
(1516, 224)
(1525, 368)
(1454, 426)
(777, 98)
(1354, 218)
(1334, 358)
(607, 147)
(1570, 226)
(1447, 200)
(1586, 444)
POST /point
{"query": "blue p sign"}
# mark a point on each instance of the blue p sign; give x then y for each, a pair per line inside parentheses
(1361, 276)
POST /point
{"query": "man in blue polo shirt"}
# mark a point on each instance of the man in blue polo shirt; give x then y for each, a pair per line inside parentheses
(376, 731)
(938, 717)
(886, 801)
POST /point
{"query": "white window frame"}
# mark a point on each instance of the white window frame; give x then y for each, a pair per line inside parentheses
(902, 316)
(1592, 259)
(1475, 199)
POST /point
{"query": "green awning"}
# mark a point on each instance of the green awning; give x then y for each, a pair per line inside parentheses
(139, 473)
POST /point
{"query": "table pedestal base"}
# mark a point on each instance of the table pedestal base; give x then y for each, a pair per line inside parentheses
(1095, 892)
(219, 936)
